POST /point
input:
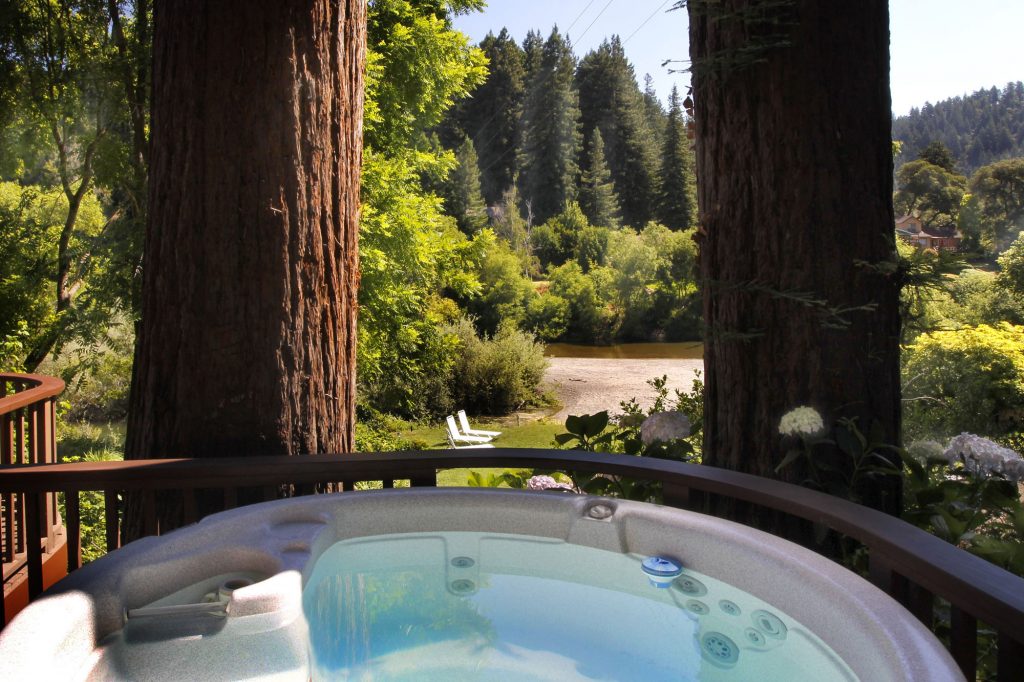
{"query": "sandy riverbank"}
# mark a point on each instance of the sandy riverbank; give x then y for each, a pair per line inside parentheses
(587, 385)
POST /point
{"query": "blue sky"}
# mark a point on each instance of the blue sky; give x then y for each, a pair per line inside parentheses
(940, 48)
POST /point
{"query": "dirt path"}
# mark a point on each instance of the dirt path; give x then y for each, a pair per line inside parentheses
(586, 386)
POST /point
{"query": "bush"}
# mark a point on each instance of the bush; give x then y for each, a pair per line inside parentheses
(547, 316)
(504, 289)
(98, 375)
(971, 380)
(499, 374)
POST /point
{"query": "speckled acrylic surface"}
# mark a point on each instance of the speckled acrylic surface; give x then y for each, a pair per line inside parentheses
(281, 540)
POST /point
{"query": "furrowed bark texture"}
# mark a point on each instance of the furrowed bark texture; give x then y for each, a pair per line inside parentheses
(793, 121)
(247, 342)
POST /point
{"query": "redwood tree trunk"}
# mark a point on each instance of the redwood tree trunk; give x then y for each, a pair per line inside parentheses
(247, 342)
(793, 121)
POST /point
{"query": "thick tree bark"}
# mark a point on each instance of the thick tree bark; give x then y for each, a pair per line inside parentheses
(247, 342)
(794, 162)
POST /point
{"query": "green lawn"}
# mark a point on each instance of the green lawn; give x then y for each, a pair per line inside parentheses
(534, 434)
(104, 442)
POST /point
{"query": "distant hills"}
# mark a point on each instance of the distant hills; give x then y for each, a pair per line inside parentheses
(978, 129)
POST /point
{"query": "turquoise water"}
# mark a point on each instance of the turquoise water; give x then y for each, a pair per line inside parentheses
(470, 606)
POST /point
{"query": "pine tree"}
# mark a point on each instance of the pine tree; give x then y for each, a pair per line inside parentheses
(597, 192)
(462, 197)
(610, 99)
(654, 112)
(549, 131)
(491, 115)
(676, 199)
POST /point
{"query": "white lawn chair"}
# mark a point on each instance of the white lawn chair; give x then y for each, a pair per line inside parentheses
(452, 445)
(457, 437)
(470, 431)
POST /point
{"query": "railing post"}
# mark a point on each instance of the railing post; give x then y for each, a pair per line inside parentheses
(112, 518)
(423, 479)
(73, 528)
(34, 549)
(963, 641)
(1009, 656)
(675, 495)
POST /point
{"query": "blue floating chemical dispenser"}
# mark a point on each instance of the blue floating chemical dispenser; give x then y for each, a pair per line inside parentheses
(661, 571)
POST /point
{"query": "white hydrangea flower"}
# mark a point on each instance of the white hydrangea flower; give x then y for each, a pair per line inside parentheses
(662, 427)
(801, 421)
(980, 455)
(542, 482)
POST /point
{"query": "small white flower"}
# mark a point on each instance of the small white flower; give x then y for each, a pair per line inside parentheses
(980, 455)
(801, 421)
(662, 427)
(542, 482)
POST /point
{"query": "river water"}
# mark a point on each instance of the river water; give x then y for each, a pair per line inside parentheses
(683, 350)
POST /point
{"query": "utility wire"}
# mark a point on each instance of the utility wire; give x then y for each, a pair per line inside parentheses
(594, 21)
(580, 15)
(645, 21)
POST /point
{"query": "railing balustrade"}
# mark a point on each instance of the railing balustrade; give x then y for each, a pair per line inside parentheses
(30, 526)
(921, 571)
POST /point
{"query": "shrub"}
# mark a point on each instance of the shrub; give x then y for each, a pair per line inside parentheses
(498, 374)
(547, 316)
(971, 379)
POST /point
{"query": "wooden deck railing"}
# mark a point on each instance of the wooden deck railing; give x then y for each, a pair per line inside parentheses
(30, 527)
(916, 568)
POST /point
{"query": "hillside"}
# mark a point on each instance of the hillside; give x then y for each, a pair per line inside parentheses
(980, 128)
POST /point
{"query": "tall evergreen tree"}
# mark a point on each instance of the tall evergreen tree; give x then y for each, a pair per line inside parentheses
(462, 197)
(500, 99)
(610, 99)
(597, 192)
(549, 133)
(490, 115)
(654, 112)
(676, 199)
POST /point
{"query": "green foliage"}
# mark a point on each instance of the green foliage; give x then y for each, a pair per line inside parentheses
(598, 433)
(931, 192)
(97, 374)
(548, 317)
(31, 223)
(590, 318)
(1011, 269)
(939, 155)
(495, 375)
(997, 201)
(549, 134)
(976, 511)
(597, 192)
(976, 129)
(971, 379)
(81, 442)
(417, 67)
(868, 458)
(677, 202)
(611, 101)
(413, 258)
(462, 198)
(490, 117)
(505, 292)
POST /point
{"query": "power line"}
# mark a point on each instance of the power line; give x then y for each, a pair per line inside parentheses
(580, 15)
(595, 20)
(645, 21)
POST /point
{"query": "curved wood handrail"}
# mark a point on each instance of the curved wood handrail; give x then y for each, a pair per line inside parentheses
(45, 387)
(988, 592)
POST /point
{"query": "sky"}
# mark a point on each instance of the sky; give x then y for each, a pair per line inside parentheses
(939, 48)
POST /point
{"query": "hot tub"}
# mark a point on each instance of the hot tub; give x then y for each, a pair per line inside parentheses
(453, 584)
